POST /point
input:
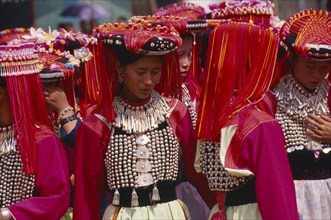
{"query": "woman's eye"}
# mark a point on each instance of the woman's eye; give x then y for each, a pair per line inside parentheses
(310, 66)
(155, 72)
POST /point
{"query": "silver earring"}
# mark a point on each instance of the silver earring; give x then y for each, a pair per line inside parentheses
(120, 78)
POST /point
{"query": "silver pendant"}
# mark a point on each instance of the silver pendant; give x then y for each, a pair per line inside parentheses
(142, 140)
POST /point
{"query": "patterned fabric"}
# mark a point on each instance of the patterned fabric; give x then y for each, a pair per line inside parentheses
(313, 198)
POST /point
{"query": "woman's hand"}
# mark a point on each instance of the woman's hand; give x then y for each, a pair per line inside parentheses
(56, 99)
(319, 128)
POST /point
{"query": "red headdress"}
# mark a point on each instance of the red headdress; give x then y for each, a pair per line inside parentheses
(258, 11)
(140, 39)
(182, 9)
(184, 26)
(61, 54)
(239, 69)
(19, 66)
(306, 34)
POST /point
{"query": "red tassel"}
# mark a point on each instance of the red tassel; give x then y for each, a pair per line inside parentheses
(220, 215)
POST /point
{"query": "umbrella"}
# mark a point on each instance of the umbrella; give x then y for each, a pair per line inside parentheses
(86, 11)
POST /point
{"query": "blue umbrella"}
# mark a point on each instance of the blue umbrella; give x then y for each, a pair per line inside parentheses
(86, 11)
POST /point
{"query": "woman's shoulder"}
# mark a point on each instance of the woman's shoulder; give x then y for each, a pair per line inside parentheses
(43, 131)
(176, 104)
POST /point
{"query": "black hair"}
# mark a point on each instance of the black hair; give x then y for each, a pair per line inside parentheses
(204, 46)
(126, 57)
(3, 82)
(186, 35)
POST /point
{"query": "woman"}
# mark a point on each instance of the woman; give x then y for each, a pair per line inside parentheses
(138, 143)
(34, 173)
(195, 201)
(241, 147)
(303, 92)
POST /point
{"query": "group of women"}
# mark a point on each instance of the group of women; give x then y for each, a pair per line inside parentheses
(178, 115)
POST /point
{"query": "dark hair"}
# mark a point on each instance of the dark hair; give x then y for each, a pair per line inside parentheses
(3, 82)
(126, 57)
(186, 35)
(204, 46)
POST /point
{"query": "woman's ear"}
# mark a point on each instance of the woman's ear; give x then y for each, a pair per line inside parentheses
(119, 67)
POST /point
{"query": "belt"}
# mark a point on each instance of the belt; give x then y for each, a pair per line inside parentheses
(166, 189)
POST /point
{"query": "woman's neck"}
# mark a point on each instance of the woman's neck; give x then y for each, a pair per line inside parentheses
(5, 115)
(133, 100)
(310, 91)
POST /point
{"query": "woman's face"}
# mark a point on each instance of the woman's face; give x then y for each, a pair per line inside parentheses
(185, 55)
(310, 73)
(140, 78)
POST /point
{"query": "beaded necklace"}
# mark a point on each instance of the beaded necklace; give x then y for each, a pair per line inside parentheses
(139, 119)
(294, 103)
(188, 102)
(15, 185)
(7, 140)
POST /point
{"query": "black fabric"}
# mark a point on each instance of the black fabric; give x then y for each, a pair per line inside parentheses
(166, 189)
(305, 166)
(243, 195)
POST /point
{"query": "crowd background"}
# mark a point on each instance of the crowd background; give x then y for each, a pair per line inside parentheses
(47, 13)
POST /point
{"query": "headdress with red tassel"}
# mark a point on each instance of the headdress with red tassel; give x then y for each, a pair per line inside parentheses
(19, 66)
(240, 58)
(239, 69)
(139, 39)
(61, 54)
(184, 26)
(306, 33)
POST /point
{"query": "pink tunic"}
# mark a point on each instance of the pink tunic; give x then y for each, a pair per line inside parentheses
(51, 181)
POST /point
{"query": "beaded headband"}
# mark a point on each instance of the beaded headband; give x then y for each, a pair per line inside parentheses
(183, 9)
(18, 60)
(257, 10)
(138, 38)
(181, 24)
(308, 34)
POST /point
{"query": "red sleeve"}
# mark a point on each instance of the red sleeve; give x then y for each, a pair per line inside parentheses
(263, 152)
(329, 98)
(181, 122)
(51, 182)
(89, 168)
